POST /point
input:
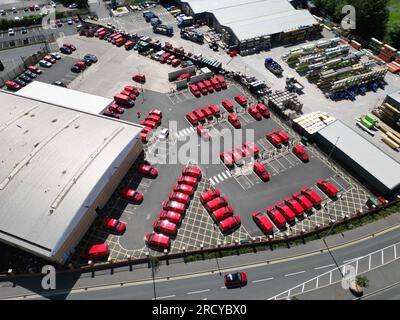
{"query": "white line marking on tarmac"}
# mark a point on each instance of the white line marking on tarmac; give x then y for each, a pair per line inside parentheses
(200, 291)
(216, 179)
(261, 280)
(322, 267)
(294, 273)
(165, 297)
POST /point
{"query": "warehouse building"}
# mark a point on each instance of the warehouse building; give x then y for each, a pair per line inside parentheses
(366, 162)
(57, 166)
(252, 25)
(65, 97)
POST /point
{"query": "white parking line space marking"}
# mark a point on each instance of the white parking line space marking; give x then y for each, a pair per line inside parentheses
(262, 280)
(294, 273)
(200, 291)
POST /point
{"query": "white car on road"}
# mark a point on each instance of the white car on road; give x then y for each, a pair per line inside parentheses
(45, 63)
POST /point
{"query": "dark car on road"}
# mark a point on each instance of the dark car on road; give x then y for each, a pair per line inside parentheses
(24, 78)
(30, 74)
(234, 280)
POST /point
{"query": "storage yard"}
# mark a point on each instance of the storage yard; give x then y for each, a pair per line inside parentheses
(295, 163)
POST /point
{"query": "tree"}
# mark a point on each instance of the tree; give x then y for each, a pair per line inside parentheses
(371, 16)
(362, 281)
(393, 35)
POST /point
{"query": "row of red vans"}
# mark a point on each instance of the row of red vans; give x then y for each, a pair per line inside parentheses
(151, 121)
(287, 211)
(114, 38)
(220, 210)
(203, 113)
(277, 138)
(207, 86)
(170, 218)
(125, 99)
(169, 58)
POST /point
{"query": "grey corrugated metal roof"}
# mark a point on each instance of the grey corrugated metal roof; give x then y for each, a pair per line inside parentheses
(252, 18)
(373, 160)
(54, 162)
(65, 97)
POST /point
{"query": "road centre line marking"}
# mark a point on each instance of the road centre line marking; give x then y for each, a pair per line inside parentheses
(165, 297)
(200, 291)
(294, 273)
(261, 280)
(322, 267)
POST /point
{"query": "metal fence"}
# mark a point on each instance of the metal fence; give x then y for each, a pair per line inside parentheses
(9, 44)
(25, 62)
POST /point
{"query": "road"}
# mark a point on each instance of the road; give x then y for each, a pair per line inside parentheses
(265, 279)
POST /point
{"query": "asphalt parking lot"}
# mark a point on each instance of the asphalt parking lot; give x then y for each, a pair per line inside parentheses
(60, 71)
(244, 190)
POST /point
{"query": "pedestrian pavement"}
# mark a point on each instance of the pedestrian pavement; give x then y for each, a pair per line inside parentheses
(379, 279)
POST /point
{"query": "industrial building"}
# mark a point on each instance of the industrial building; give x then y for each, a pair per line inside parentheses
(57, 166)
(253, 25)
(65, 97)
(367, 163)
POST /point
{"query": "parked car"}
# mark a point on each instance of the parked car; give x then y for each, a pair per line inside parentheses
(199, 114)
(192, 118)
(194, 90)
(237, 279)
(20, 82)
(253, 111)
(180, 197)
(35, 69)
(165, 226)
(215, 84)
(96, 251)
(209, 195)
(55, 55)
(216, 203)
(209, 86)
(214, 109)
(184, 188)
(76, 69)
(116, 108)
(274, 139)
(174, 206)
(229, 224)
(301, 153)
(222, 213)
(163, 134)
(91, 57)
(184, 76)
(202, 87)
(171, 216)
(45, 63)
(328, 188)
(221, 81)
(295, 206)
(303, 200)
(237, 157)
(241, 100)
(113, 225)
(69, 46)
(234, 121)
(282, 135)
(11, 32)
(277, 218)
(254, 150)
(188, 180)
(207, 112)
(228, 105)
(263, 109)
(11, 85)
(111, 114)
(65, 50)
(286, 212)
(312, 196)
(30, 74)
(59, 83)
(24, 78)
(192, 172)
(203, 132)
(263, 222)
(261, 171)
(156, 240)
(227, 159)
(131, 195)
(147, 170)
